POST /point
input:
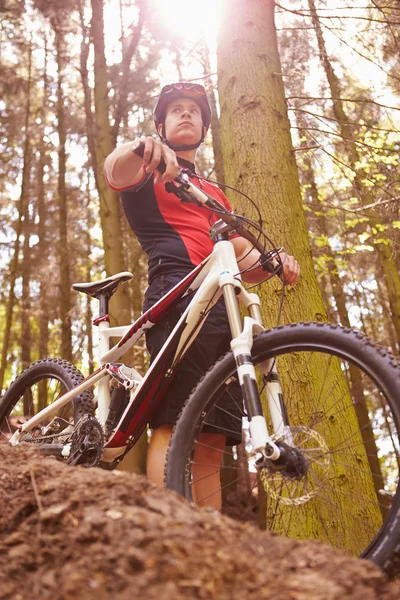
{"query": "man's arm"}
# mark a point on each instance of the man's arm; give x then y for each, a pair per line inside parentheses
(123, 168)
(248, 257)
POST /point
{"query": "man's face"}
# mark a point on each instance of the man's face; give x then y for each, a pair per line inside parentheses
(183, 122)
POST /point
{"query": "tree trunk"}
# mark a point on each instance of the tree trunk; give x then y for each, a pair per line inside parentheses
(385, 252)
(26, 300)
(23, 200)
(215, 122)
(120, 311)
(84, 55)
(120, 307)
(330, 311)
(259, 159)
(88, 313)
(257, 147)
(42, 225)
(65, 282)
(390, 338)
(355, 380)
(129, 47)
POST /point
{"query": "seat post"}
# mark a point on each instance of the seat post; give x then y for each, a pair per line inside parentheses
(103, 301)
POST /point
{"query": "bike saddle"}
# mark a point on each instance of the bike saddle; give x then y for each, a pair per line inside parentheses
(103, 287)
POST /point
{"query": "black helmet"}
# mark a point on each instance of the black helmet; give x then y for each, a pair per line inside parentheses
(172, 91)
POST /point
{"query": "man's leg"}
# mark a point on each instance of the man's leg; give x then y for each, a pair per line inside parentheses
(206, 466)
(157, 453)
(206, 470)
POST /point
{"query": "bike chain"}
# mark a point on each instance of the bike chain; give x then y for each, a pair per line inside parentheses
(29, 438)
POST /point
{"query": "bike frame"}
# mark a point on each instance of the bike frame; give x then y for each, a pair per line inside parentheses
(217, 275)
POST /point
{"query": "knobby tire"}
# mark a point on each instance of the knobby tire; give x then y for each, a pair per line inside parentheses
(356, 364)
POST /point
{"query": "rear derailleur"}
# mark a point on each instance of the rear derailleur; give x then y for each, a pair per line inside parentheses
(85, 446)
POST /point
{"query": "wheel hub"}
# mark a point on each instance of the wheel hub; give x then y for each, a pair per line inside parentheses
(291, 463)
(301, 472)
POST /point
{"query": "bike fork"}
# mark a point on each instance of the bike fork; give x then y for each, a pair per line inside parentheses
(241, 346)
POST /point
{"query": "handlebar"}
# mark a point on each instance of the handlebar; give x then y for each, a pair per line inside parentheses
(182, 187)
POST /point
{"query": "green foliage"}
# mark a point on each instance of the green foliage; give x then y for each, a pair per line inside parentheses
(342, 242)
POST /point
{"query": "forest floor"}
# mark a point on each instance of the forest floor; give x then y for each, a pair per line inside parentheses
(73, 533)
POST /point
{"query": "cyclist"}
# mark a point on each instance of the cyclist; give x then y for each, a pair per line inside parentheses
(175, 237)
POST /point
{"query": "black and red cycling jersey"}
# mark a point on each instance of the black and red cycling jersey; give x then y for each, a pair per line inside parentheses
(174, 235)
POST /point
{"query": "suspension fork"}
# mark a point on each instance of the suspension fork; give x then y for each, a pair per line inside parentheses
(276, 405)
(241, 344)
(269, 372)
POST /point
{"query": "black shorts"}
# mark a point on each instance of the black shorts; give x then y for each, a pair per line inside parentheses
(212, 342)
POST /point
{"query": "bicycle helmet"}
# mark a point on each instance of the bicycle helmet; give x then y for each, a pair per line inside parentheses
(172, 91)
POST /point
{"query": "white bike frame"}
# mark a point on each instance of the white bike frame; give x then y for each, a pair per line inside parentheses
(217, 275)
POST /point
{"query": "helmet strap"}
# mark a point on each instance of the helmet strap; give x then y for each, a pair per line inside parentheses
(182, 147)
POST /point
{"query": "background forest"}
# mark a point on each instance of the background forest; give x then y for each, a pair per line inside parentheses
(79, 77)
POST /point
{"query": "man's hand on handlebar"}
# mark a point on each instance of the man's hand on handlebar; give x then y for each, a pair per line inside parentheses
(160, 158)
(248, 257)
(154, 153)
(291, 269)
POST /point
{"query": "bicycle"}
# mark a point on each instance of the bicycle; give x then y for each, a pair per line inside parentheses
(346, 436)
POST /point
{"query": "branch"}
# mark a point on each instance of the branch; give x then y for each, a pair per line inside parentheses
(308, 15)
(334, 133)
(126, 62)
(343, 164)
(350, 124)
(356, 101)
(342, 41)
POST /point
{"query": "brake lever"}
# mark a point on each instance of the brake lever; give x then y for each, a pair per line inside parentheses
(270, 263)
(181, 193)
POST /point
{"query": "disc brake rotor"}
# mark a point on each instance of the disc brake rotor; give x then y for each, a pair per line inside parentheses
(294, 492)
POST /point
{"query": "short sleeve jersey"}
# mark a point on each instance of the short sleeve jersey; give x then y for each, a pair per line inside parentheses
(174, 235)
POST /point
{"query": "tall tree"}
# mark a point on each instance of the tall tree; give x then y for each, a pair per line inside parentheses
(56, 20)
(23, 200)
(366, 198)
(357, 390)
(43, 245)
(259, 158)
(109, 203)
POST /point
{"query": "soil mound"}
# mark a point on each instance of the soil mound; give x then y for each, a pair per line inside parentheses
(73, 533)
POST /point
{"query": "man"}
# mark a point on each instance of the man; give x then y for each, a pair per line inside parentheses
(175, 237)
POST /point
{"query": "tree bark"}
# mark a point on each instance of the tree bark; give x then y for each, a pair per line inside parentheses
(257, 146)
(259, 159)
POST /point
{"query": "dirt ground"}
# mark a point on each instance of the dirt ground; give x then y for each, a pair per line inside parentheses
(73, 533)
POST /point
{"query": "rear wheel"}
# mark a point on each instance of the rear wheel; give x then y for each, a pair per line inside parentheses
(38, 386)
(342, 399)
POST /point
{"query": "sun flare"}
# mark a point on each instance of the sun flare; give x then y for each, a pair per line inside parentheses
(190, 19)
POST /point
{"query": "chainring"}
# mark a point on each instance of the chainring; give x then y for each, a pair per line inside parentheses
(87, 442)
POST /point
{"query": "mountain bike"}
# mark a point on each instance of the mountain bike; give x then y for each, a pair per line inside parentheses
(319, 452)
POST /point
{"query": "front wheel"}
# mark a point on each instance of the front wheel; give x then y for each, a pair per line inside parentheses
(38, 386)
(341, 397)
